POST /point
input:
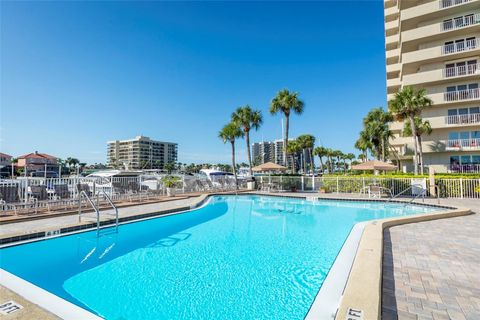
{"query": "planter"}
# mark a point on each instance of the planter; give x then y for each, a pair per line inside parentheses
(171, 192)
(323, 190)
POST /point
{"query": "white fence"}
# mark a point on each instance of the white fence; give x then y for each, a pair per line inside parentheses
(447, 188)
(31, 194)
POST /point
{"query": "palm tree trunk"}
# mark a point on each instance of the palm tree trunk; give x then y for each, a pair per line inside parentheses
(415, 148)
(383, 150)
(293, 163)
(285, 140)
(321, 163)
(247, 140)
(233, 164)
(304, 161)
(312, 160)
(420, 153)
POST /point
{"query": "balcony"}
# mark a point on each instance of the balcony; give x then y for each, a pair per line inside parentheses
(460, 22)
(450, 3)
(437, 30)
(439, 75)
(463, 144)
(453, 51)
(437, 9)
(461, 95)
(460, 46)
(463, 119)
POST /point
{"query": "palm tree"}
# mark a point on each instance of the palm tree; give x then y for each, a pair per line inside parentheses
(248, 119)
(350, 157)
(376, 130)
(337, 154)
(286, 102)
(293, 149)
(362, 157)
(422, 128)
(320, 152)
(363, 144)
(229, 133)
(330, 154)
(307, 142)
(407, 104)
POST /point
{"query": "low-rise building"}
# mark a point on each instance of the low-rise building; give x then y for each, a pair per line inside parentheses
(36, 161)
(5, 160)
(141, 153)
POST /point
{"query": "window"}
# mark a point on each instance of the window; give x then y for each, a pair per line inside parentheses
(454, 160)
(475, 159)
(465, 159)
(452, 135)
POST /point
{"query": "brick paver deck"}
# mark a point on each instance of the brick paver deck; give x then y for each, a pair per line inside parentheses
(432, 270)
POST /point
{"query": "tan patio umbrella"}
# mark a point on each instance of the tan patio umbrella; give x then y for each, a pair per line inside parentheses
(375, 165)
(269, 166)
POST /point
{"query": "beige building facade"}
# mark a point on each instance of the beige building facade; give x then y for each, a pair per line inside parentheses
(436, 45)
(141, 153)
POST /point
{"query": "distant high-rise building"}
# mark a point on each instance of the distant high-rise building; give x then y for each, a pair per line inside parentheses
(435, 45)
(141, 153)
(272, 151)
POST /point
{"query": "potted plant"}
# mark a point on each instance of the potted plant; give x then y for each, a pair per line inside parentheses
(170, 182)
(324, 189)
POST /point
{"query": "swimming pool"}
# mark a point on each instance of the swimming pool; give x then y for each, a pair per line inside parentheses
(237, 257)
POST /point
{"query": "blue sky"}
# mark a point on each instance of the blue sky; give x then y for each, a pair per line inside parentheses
(76, 74)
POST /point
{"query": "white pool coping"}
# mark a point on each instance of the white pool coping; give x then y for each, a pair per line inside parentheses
(327, 301)
(48, 301)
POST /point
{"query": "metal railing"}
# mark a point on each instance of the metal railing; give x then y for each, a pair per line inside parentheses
(460, 46)
(449, 187)
(462, 70)
(464, 143)
(464, 168)
(31, 195)
(460, 22)
(449, 3)
(95, 208)
(472, 118)
(462, 95)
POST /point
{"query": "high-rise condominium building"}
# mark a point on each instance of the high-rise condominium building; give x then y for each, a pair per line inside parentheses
(272, 151)
(141, 153)
(436, 45)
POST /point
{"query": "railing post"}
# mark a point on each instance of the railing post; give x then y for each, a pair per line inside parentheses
(303, 183)
(26, 189)
(313, 183)
(338, 186)
(461, 188)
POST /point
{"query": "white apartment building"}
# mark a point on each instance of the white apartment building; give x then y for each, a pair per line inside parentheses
(272, 151)
(141, 153)
(436, 45)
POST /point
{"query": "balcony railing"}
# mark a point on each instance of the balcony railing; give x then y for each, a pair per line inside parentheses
(463, 119)
(466, 45)
(464, 144)
(465, 168)
(449, 3)
(464, 70)
(460, 22)
(462, 95)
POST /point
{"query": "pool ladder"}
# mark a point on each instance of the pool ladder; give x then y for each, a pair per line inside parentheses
(95, 207)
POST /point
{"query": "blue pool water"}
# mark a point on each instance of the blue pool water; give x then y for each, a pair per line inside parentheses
(238, 257)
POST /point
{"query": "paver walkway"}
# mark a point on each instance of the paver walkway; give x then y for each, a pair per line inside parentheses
(432, 270)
